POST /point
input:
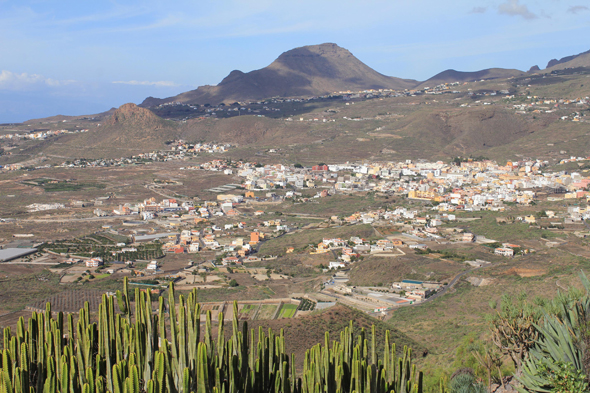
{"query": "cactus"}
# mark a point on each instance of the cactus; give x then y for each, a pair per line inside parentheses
(135, 350)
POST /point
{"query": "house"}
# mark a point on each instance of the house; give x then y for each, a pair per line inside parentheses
(467, 237)
(153, 266)
(418, 246)
(319, 168)
(243, 252)
(211, 243)
(336, 265)
(94, 262)
(408, 285)
(530, 219)
(506, 252)
(230, 260)
(435, 222)
(420, 294)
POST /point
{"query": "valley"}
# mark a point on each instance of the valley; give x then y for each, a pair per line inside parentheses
(415, 206)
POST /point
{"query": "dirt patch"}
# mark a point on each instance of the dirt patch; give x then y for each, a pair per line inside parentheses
(515, 271)
(378, 135)
(479, 282)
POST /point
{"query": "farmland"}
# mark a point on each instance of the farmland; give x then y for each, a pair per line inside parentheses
(287, 311)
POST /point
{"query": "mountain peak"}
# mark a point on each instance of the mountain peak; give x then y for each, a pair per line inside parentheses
(131, 113)
(327, 49)
(304, 71)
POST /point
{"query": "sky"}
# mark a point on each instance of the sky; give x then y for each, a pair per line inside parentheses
(85, 57)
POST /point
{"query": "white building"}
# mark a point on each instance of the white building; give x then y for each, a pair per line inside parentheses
(94, 262)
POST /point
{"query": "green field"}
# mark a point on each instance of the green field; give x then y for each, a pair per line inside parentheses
(51, 185)
(287, 311)
(248, 310)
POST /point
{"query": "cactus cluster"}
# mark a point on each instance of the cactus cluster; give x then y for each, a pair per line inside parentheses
(137, 349)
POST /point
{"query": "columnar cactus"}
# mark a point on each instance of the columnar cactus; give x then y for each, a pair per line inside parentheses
(135, 350)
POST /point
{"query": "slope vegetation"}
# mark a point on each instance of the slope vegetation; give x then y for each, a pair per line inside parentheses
(302, 333)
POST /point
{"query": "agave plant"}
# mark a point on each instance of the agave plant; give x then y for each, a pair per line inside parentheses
(564, 339)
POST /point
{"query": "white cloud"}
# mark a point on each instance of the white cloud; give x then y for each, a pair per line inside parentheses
(513, 8)
(478, 10)
(577, 8)
(14, 81)
(147, 83)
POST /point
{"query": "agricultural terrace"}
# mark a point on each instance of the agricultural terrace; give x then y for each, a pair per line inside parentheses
(104, 246)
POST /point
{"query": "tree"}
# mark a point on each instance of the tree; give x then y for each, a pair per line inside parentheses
(233, 283)
(203, 276)
(490, 359)
(513, 327)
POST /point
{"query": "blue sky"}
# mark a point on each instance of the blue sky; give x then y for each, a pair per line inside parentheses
(83, 57)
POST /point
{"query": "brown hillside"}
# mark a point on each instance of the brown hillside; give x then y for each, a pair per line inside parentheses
(132, 115)
(130, 130)
(245, 130)
(386, 270)
(457, 131)
(574, 61)
(303, 333)
(306, 71)
(450, 76)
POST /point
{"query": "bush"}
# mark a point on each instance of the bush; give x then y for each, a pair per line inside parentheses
(466, 382)
(233, 283)
(565, 378)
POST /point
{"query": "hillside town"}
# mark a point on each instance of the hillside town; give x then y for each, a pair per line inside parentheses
(232, 229)
(178, 150)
